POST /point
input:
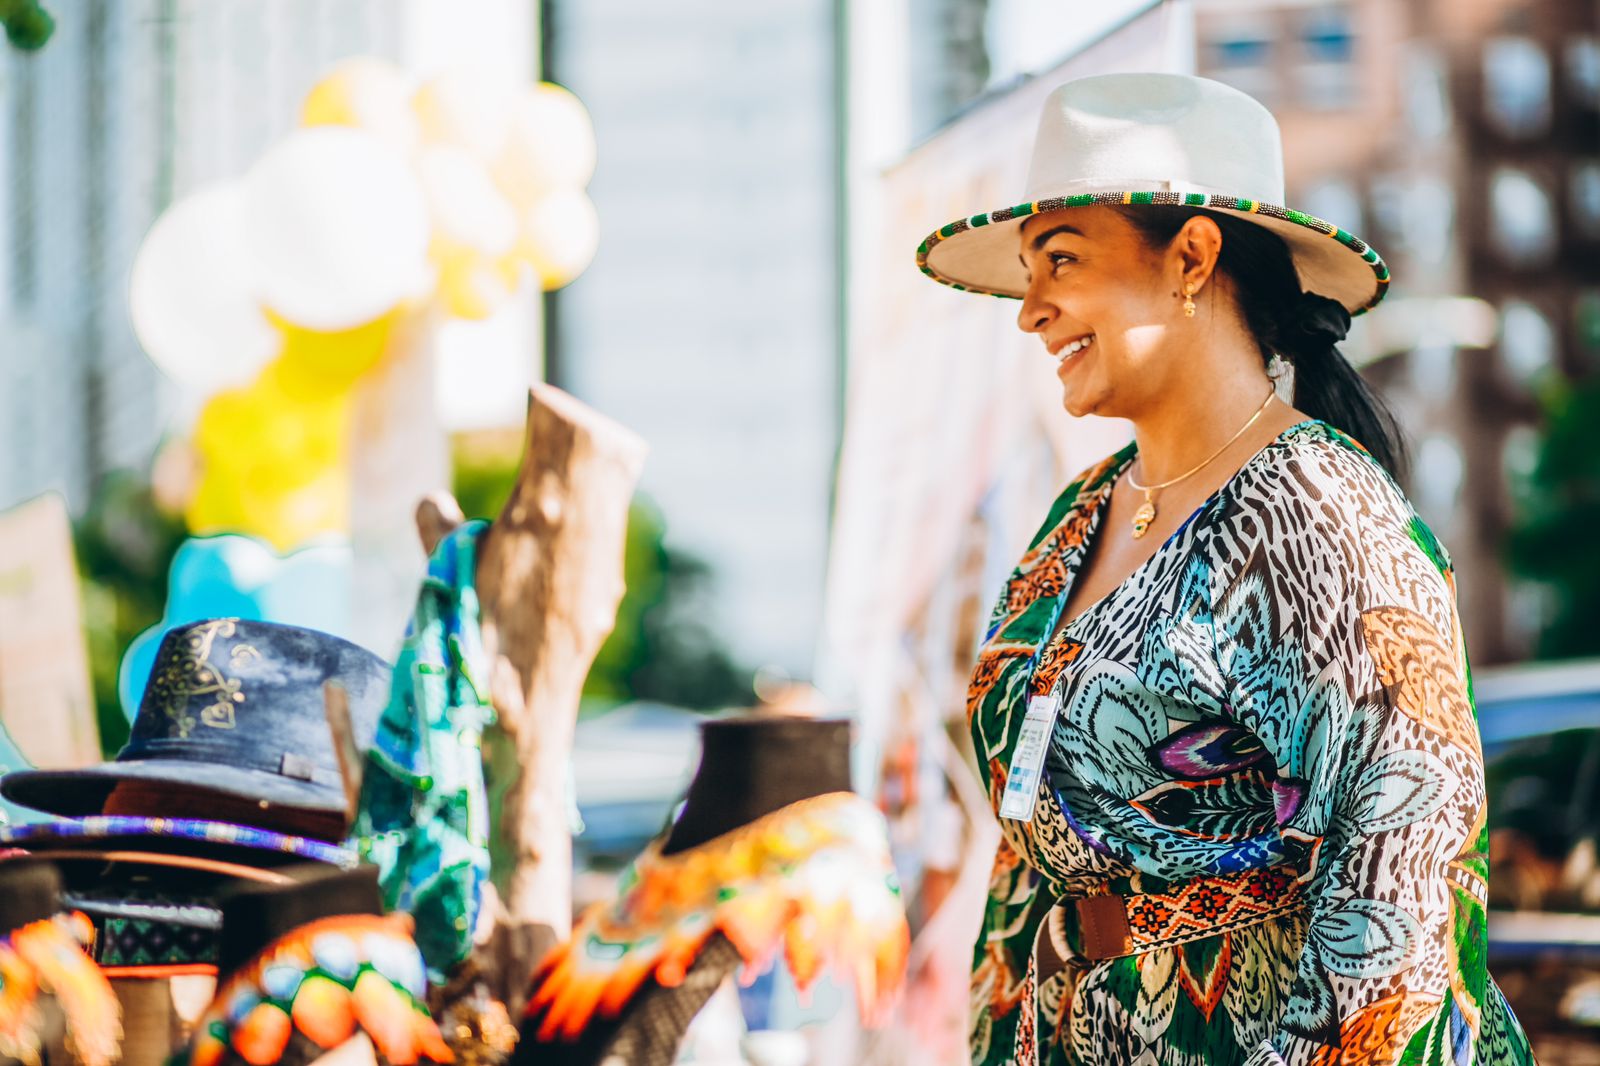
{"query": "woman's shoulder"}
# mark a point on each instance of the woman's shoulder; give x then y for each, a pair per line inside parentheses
(1317, 478)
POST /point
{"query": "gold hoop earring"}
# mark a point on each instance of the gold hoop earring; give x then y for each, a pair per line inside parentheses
(1188, 299)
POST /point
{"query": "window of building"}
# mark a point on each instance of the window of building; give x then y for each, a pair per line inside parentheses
(1529, 608)
(1527, 342)
(1440, 472)
(1519, 454)
(1582, 62)
(1521, 220)
(1586, 323)
(1335, 200)
(1415, 215)
(1250, 48)
(1583, 198)
(1326, 37)
(1239, 52)
(1426, 92)
(1516, 86)
(1324, 68)
(1433, 371)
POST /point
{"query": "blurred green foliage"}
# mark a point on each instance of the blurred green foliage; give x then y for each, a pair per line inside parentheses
(1552, 540)
(125, 543)
(660, 648)
(28, 26)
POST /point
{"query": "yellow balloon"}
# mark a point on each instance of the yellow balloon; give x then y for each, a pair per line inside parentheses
(228, 418)
(273, 461)
(244, 428)
(473, 285)
(369, 94)
(216, 507)
(318, 363)
(560, 232)
(284, 516)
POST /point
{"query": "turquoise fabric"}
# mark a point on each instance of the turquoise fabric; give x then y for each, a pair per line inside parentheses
(423, 819)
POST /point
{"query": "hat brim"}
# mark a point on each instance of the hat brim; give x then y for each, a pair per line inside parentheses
(82, 792)
(169, 839)
(154, 913)
(980, 254)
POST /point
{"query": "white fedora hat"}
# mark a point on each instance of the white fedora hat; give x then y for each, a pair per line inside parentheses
(1153, 138)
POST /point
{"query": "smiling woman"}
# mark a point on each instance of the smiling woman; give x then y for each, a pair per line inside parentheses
(1237, 765)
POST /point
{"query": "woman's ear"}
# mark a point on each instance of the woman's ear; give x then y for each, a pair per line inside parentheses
(1197, 246)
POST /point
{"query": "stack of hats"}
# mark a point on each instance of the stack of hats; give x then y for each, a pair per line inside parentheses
(230, 774)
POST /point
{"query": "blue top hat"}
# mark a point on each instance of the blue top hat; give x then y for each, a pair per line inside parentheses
(235, 708)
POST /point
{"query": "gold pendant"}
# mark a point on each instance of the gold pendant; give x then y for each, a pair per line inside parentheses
(1143, 517)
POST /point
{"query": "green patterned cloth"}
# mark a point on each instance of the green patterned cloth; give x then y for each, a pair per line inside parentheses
(423, 818)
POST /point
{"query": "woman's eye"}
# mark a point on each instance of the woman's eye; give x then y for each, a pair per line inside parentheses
(1057, 258)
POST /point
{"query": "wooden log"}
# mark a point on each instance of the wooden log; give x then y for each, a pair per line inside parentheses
(336, 705)
(549, 580)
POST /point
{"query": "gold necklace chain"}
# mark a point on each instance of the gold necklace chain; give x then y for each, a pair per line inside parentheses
(1147, 510)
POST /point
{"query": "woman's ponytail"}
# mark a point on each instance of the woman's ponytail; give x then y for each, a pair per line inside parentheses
(1302, 327)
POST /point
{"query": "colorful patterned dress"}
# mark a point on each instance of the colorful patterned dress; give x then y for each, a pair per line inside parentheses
(1268, 730)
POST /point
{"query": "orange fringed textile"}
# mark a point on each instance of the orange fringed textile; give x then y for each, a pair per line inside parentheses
(814, 878)
(47, 957)
(327, 979)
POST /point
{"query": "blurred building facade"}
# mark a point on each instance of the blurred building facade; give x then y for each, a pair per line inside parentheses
(1463, 141)
(710, 319)
(131, 104)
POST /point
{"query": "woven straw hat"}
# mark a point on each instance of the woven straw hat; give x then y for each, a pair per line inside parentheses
(1154, 138)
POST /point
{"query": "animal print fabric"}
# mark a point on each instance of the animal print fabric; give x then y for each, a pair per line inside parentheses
(1283, 684)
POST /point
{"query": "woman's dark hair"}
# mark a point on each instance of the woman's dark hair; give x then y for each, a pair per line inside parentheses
(1257, 260)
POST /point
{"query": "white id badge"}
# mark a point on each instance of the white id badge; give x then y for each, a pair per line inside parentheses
(1027, 759)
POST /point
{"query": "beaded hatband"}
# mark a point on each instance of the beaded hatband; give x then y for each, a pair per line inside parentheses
(813, 878)
(36, 835)
(325, 980)
(47, 958)
(1238, 204)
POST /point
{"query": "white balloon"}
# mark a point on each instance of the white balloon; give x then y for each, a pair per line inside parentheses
(560, 234)
(190, 299)
(467, 108)
(467, 208)
(550, 146)
(337, 226)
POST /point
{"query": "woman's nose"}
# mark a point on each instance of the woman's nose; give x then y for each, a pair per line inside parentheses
(1035, 314)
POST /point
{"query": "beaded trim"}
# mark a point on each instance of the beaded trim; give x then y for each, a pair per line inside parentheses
(118, 825)
(1369, 255)
(814, 879)
(326, 980)
(47, 958)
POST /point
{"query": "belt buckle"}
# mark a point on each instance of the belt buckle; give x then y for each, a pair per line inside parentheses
(1103, 929)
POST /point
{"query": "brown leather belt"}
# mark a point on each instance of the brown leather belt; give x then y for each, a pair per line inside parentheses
(1107, 926)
